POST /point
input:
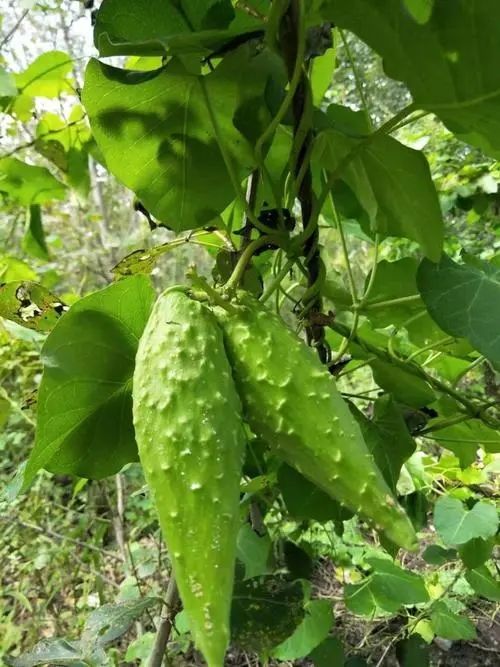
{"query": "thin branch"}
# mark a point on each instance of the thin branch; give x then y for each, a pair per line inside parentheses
(172, 603)
(11, 32)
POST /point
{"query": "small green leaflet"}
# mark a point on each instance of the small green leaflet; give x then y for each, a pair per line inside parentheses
(421, 10)
(84, 419)
(456, 525)
(30, 305)
(47, 76)
(462, 299)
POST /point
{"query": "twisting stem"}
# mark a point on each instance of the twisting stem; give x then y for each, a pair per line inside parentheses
(166, 623)
(292, 40)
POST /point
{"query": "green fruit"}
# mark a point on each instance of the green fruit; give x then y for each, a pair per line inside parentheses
(189, 429)
(291, 401)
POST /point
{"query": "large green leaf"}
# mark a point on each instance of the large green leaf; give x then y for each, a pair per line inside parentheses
(456, 525)
(28, 185)
(463, 299)
(165, 146)
(395, 289)
(157, 27)
(47, 76)
(84, 424)
(450, 63)
(392, 183)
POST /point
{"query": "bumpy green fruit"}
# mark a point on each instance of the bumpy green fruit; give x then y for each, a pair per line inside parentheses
(189, 430)
(291, 401)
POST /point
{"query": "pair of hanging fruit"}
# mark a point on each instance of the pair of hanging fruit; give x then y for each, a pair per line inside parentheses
(201, 372)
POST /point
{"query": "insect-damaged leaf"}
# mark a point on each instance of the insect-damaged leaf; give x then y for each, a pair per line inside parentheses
(84, 420)
(30, 305)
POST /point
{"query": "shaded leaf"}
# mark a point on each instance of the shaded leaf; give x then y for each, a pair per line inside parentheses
(304, 500)
(34, 237)
(160, 147)
(456, 525)
(412, 652)
(298, 562)
(157, 27)
(265, 612)
(313, 629)
(84, 420)
(476, 552)
(386, 437)
(329, 653)
(392, 183)
(436, 555)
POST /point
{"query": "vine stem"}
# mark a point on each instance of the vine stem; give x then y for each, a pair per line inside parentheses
(472, 409)
(384, 129)
(229, 164)
(277, 280)
(245, 259)
(172, 603)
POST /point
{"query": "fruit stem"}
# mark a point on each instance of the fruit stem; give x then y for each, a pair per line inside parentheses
(245, 259)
